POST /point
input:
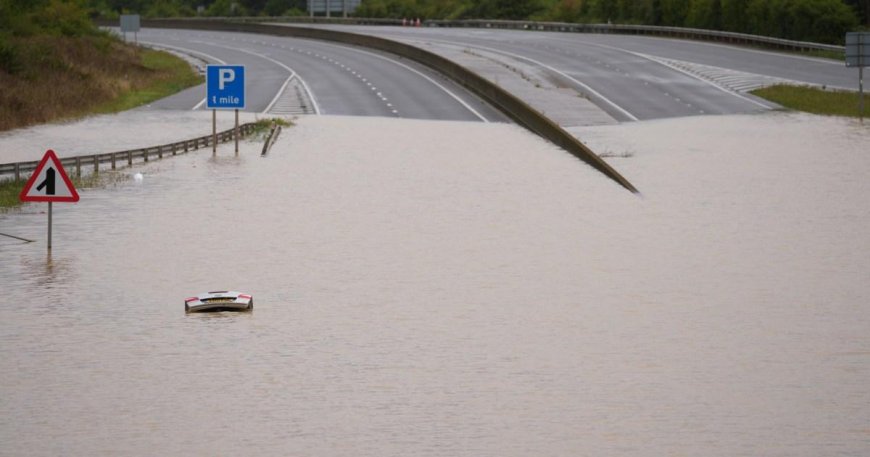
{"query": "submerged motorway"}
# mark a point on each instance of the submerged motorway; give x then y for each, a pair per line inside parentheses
(628, 78)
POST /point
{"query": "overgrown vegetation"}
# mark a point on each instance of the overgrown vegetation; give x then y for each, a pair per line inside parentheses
(167, 75)
(263, 126)
(10, 188)
(824, 21)
(9, 191)
(814, 100)
(54, 64)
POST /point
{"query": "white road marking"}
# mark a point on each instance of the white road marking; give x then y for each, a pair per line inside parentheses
(554, 70)
(189, 51)
(290, 70)
(427, 78)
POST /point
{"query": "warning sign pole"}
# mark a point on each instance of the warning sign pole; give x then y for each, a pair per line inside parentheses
(49, 226)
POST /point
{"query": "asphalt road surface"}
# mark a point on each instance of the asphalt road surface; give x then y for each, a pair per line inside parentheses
(330, 78)
(638, 77)
(629, 77)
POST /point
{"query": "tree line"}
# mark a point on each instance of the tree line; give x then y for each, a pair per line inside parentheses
(824, 21)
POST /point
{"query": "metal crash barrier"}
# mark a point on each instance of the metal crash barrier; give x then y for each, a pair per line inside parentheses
(116, 159)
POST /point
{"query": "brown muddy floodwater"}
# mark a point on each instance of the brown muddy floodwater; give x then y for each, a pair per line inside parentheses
(455, 289)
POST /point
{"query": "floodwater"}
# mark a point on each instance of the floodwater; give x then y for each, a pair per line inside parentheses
(455, 289)
(113, 132)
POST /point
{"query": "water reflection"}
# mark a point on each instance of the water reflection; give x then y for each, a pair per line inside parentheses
(45, 272)
(440, 288)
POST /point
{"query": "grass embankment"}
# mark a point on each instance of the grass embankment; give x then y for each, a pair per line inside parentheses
(49, 78)
(55, 65)
(56, 78)
(10, 188)
(815, 100)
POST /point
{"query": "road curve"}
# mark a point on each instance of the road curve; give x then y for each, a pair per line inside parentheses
(336, 79)
(637, 77)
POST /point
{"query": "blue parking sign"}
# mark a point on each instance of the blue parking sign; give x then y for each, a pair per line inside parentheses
(225, 86)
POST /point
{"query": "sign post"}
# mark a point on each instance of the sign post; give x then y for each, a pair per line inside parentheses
(225, 89)
(858, 55)
(49, 183)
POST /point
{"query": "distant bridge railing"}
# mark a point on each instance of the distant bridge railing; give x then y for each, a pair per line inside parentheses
(17, 169)
(626, 29)
(572, 27)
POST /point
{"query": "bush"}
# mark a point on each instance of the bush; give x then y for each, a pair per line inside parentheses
(68, 18)
(10, 59)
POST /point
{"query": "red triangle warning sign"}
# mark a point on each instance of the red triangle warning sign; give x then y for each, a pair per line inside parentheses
(49, 182)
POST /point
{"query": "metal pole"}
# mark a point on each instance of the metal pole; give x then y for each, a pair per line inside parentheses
(861, 92)
(861, 64)
(236, 132)
(49, 227)
(213, 131)
(327, 9)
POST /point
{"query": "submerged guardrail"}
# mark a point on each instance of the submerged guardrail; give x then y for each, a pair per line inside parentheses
(501, 99)
(129, 156)
(271, 138)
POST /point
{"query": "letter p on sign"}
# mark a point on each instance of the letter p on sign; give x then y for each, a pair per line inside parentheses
(225, 75)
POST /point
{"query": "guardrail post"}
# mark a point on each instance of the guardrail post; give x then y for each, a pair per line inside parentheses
(130, 158)
(113, 160)
(79, 167)
(17, 171)
(145, 154)
(96, 164)
(173, 148)
(159, 152)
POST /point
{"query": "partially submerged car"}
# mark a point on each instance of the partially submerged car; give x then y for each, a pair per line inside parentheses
(220, 300)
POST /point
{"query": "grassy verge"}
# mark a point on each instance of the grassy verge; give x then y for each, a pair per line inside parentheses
(49, 78)
(170, 75)
(10, 188)
(814, 100)
(831, 55)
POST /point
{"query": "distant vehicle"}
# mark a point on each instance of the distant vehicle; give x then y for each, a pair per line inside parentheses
(221, 300)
